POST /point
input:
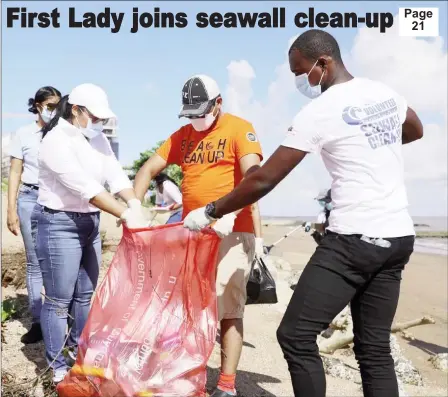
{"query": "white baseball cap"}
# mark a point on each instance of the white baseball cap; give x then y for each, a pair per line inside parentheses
(198, 95)
(93, 98)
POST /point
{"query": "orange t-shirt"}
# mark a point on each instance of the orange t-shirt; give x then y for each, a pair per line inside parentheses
(210, 162)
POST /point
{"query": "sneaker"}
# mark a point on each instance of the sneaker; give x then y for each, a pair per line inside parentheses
(221, 393)
(34, 335)
(59, 375)
(70, 358)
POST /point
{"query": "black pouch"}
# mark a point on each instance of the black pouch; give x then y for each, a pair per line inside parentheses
(261, 286)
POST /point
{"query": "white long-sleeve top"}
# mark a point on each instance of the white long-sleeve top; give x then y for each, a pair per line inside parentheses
(73, 170)
(171, 195)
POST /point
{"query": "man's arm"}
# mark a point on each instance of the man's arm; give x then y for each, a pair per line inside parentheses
(260, 182)
(249, 164)
(412, 128)
(152, 167)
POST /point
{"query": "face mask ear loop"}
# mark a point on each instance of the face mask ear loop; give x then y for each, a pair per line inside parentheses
(315, 63)
(321, 77)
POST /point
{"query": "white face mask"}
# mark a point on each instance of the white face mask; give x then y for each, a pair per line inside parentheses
(91, 130)
(46, 115)
(303, 85)
(203, 123)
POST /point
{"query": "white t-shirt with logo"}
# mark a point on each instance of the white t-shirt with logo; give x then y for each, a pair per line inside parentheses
(356, 127)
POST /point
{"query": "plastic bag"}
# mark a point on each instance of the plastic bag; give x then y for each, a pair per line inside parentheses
(152, 325)
(261, 285)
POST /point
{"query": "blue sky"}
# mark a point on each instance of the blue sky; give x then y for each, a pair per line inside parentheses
(143, 73)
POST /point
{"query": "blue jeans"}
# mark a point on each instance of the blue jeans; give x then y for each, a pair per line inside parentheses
(69, 252)
(26, 201)
(176, 217)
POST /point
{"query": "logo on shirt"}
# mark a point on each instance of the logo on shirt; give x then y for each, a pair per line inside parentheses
(290, 131)
(251, 137)
(379, 122)
(353, 115)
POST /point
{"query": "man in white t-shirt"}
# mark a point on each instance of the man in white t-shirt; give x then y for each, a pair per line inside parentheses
(358, 126)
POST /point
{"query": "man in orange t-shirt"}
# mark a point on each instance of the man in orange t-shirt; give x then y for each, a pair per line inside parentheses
(215, 151)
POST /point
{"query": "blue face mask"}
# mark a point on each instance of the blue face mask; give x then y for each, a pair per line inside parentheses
(321, 203)
(303, 84)
(329, 206)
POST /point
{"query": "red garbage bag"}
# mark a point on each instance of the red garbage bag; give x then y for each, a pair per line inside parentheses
(152, 325)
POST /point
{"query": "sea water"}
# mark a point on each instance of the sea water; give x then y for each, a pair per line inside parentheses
(430, 245)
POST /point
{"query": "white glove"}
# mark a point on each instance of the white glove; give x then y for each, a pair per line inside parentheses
(196, 220)
(224, 226)
(307, 227)
(134, 217)
(259, 248)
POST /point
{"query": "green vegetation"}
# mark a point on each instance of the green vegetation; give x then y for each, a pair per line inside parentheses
(4, 185)
(430, 234)
(8, 309)
(173, 171)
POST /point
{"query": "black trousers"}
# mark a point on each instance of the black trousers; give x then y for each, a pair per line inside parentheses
(345, 269)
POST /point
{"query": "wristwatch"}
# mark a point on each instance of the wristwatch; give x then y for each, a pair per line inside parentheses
(210, 212)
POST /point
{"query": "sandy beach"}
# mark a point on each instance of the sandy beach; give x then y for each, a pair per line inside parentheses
(263, 371)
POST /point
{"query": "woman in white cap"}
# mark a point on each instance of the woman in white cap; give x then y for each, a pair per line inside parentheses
(23, 188)
(76, 161)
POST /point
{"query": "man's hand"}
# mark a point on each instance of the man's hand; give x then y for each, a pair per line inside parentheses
(224, 226)
(197, 220)
(259, 248)
(13, 222)
(307, 227)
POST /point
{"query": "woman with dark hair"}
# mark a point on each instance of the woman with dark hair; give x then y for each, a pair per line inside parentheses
(23, 189)
(76, 162)
(168, 195)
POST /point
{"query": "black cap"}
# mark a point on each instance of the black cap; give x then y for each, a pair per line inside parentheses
(198, 96)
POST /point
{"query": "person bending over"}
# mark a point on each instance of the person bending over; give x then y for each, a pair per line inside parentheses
(358, 126)
(75, 162)
(216, 151)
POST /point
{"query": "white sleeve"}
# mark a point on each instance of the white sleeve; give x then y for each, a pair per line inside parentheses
(321, 218)
(60, 158)
(303, 134)
(173, 191)
(402, 105)
(159, 198)
(15, 148)
(116, 176)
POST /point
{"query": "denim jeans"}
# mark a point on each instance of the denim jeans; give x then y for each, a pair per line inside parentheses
(26, 201)
(69, 252)
(345, 269)
(174, 218)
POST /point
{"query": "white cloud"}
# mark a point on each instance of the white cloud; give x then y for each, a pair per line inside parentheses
(415, 68)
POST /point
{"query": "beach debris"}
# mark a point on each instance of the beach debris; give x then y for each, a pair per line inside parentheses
(406, 372)
(343, 334)
(404, 368)
(280, 263)
(338, 369)
(401, 390)
(293, 279)
(440, 361)
(407, 335)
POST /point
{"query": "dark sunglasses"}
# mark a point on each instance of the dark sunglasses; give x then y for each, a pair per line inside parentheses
(96, 119)
(50, 106)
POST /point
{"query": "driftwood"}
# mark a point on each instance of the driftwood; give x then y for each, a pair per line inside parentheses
(340, 339)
